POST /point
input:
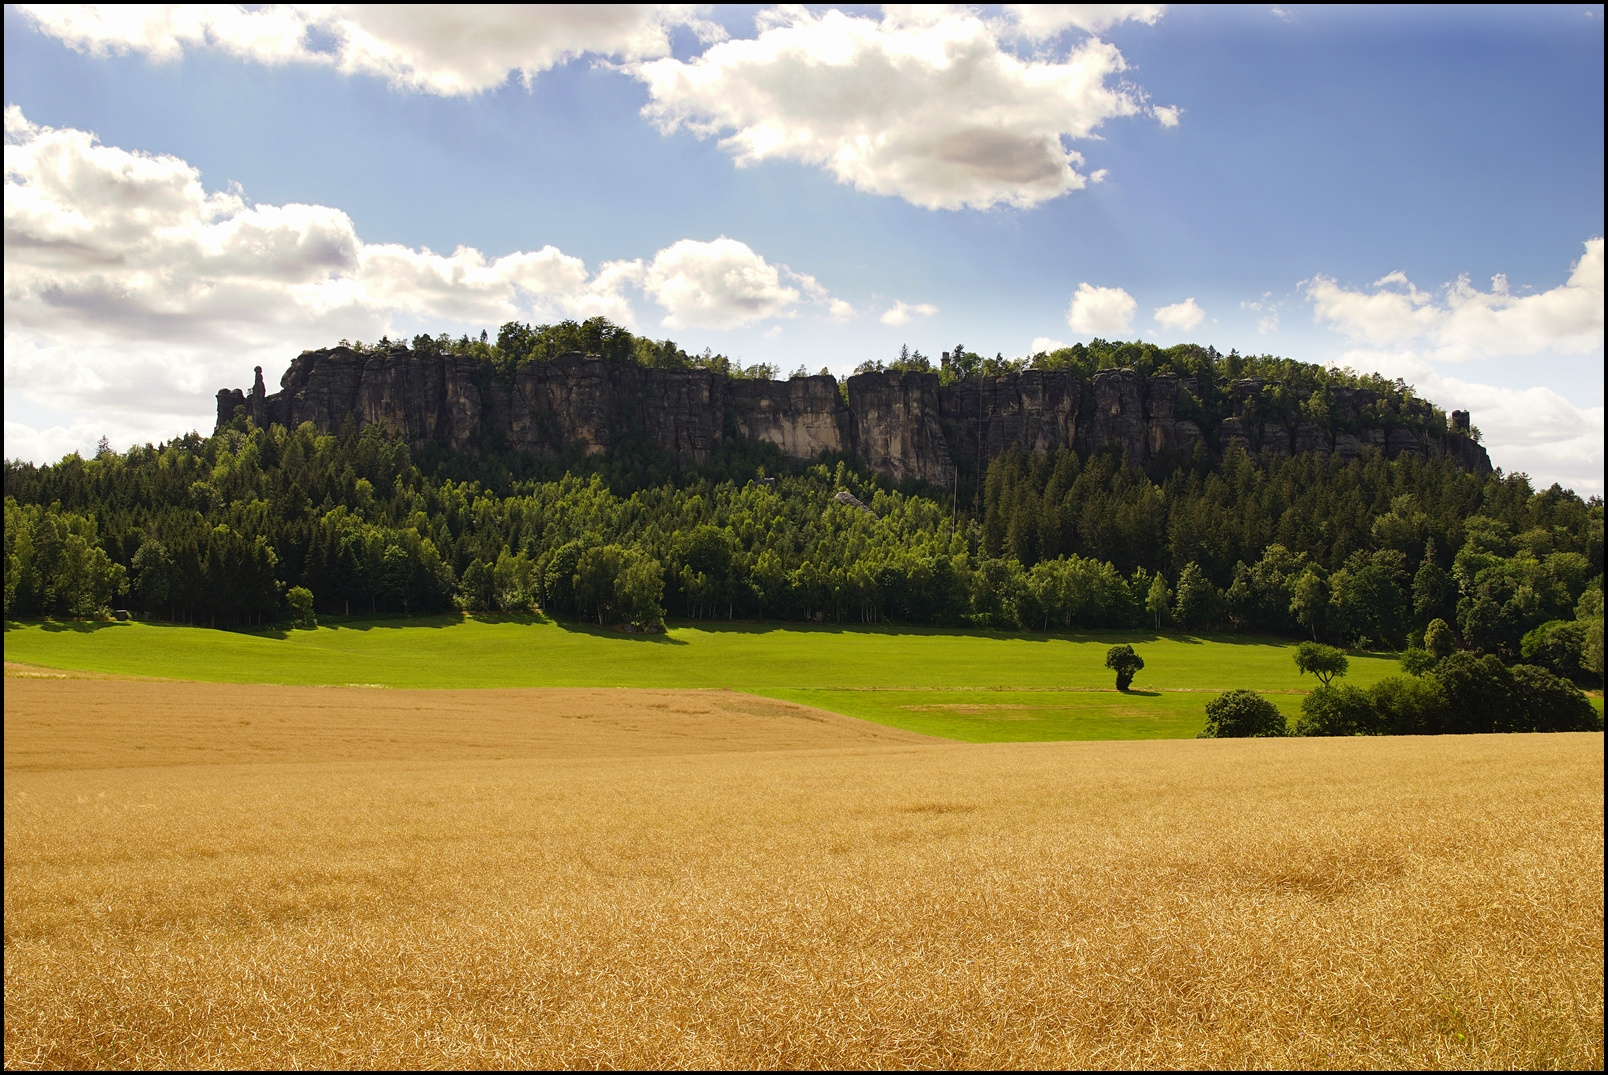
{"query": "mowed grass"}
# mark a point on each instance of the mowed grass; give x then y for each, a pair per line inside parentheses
(1040, 687)
(663, 885)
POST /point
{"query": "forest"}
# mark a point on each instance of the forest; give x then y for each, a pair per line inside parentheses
(255, 525)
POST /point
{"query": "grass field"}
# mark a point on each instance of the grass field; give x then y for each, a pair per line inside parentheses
(210, 875)
(975, 686)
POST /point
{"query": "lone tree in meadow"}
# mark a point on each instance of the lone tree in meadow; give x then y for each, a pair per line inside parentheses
(1125, 662)
(1325, 662)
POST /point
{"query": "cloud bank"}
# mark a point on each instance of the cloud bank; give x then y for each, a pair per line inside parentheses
(132, 293)
(924, 103)
(446, 50)
(1402, 331)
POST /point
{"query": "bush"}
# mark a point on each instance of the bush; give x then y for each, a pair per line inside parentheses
(1125, 662)
(1408, 705)
(1481, 695)
(1551, 703)
(1559, 645)
(299, 599)
(1325, 662)
(1416, 661)
(1242, 714)
(1337, 710)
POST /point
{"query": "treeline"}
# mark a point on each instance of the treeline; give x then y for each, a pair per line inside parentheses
(217, 530)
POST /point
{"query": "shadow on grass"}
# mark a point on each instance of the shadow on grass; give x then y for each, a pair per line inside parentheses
(1112, 635)
(82, 627)
(384, 622)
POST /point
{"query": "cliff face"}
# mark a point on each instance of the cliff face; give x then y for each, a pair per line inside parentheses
(904, 425)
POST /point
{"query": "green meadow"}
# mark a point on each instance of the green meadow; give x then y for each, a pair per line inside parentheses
(977, 686)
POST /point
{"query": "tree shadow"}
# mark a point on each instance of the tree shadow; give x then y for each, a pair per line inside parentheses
(82, 627)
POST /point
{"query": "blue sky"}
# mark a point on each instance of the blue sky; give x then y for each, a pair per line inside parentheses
(1316, 180)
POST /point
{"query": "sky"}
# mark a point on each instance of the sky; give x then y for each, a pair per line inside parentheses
(1418, 191)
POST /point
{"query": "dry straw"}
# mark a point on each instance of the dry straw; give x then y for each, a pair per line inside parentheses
(686, 897)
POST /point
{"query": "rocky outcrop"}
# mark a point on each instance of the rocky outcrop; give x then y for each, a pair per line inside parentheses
(903, 425)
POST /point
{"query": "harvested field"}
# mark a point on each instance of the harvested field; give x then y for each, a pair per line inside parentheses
(577, 878)
(72, 720)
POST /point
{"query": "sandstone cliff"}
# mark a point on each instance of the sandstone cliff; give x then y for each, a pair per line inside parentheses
(903, 425)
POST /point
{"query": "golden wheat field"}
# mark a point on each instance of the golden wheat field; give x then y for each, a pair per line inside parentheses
(221, 876)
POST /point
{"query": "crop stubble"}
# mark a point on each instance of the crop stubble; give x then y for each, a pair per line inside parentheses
(625, 878)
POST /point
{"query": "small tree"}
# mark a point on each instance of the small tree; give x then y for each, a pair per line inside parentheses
(300, 601)
(1196, 604)
(1157, 599)
(1309, 597)
(1325, 662)
(1438, 639)
(639, 590)
(1243, 714)
(1125, 662)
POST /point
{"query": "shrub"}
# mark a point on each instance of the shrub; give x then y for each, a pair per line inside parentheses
(1416, 661)
(300, 601)
(1125, 662)
(1408, 705)
(1325, 662)
(1242, 714)
(1551, 703)
(1337, 710)
(1481, 695)
(1558, 645)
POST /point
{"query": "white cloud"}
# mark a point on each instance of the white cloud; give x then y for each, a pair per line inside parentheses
(722, 284)
(1465, 322)
(899, 313)
(1044, 345)
(1181, 316)
(1101, 311)
(1042, 21)
(923, 104)
(132, 293)
(1167, 115)
(451, 50)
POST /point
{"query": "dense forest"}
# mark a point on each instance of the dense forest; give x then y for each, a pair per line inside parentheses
(252, 525)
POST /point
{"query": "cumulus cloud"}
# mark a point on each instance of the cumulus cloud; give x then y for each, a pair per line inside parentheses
(724, 284)
(1101, 311)
(1181, 316)
(923, 104)
(1464, 322)
(451, 50)
(1167, 115)
(900, 312)
(132, 293)
(1044, 345)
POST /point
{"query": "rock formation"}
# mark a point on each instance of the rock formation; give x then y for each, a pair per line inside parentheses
(903, 425)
